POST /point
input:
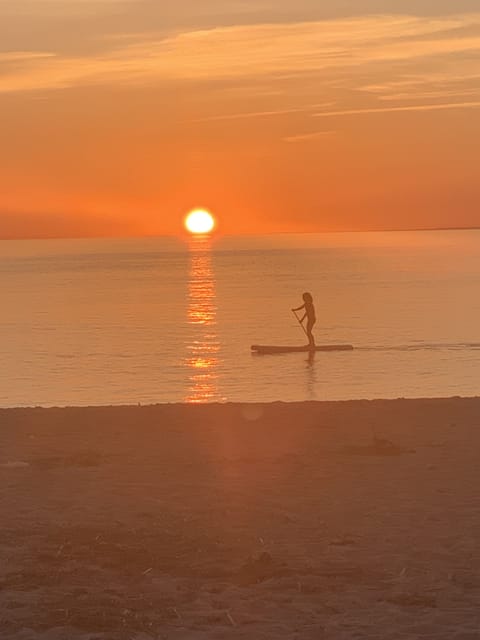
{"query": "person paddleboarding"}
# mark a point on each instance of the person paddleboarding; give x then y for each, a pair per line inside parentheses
(309, 315)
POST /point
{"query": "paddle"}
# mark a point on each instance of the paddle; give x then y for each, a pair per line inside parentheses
(299, 322)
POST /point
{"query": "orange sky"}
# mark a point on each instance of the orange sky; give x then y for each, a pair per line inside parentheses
(118, 116)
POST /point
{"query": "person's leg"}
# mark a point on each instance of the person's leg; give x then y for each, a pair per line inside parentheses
(311, 339)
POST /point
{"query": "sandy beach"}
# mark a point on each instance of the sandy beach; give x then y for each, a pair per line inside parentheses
(300, 521)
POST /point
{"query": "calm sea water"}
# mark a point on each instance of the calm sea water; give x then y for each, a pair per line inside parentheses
(89, 322)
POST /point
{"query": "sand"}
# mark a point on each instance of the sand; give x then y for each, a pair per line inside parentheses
(300, 521)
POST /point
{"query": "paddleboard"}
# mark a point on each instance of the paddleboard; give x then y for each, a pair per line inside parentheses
(268, 350)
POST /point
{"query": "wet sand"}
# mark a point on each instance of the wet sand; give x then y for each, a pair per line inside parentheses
(300, 521)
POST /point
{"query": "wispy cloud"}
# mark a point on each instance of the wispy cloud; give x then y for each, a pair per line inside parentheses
(413, 107)
(23, 56)
(457, 81)
(429, 95)
(246, 51)
(305, 137)
(29, 8)
(262, 114)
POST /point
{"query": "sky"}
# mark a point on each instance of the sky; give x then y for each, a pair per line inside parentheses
(119, 116)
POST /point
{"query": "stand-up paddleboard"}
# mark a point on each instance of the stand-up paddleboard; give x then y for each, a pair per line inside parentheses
(269, 350)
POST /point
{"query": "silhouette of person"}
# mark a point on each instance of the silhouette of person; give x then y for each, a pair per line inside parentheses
(309, 315)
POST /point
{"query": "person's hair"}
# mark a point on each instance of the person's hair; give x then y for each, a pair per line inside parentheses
(307, 297)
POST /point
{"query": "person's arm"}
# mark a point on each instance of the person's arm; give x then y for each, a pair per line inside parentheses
(299, 308)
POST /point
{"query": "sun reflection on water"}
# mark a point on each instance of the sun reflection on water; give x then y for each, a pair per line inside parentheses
(203, 346)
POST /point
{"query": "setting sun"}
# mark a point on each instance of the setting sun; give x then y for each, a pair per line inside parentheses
(199, 221)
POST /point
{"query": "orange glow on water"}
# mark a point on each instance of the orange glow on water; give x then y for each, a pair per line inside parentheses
(203, 347)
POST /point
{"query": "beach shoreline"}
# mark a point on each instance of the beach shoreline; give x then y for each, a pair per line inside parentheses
(348, 519)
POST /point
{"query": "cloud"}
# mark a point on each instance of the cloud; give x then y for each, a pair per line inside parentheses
(261, 114)
(56, 8)
(413, 107)
(23, 56)
(264, 49)
(453, 81)
(429, 95)
(304, 137)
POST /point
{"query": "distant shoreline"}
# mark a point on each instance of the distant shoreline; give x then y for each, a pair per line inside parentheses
(243, 235)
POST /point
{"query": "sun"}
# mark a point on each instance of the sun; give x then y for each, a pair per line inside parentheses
(199, 221)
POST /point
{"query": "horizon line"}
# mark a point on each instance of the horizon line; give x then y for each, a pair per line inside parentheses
(240, 235)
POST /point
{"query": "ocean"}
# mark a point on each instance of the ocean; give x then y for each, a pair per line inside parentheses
(160, 320)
